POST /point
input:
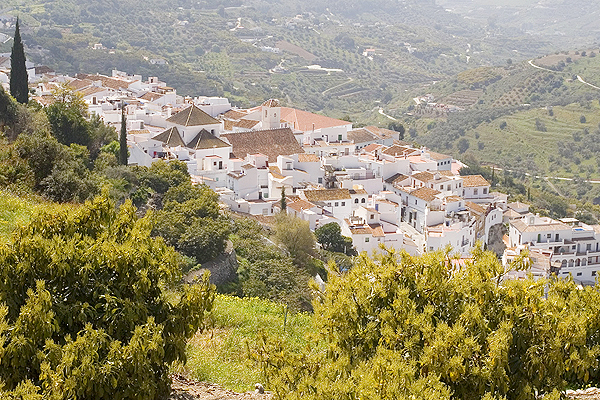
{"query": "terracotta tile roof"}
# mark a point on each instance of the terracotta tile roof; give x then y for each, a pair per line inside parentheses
(271, 142)
(437, 156)
(106, 81)
(476, 208)
(377, 230)
(425, 193)
(423, 176)
(228, 125)
(453, 199)
(360, 230)
(300, 205)
(521, 226)
(517, 204)
(138, 131)
(245, 123)
(234, 114)
(151, 96)
(392, 203)
(306, 121)
(206, 140)
(276, 172)
(372, 147)
(396, 178)
(91, 90)
(308, 158)
(474, 181)
(361, 135)
(446, 173)
(510, 213)
(78, 84)
(327, 194)
(192, 116)
(381, 133)
(170, 137)
(272, 103)
(399, 151)
(357, 191)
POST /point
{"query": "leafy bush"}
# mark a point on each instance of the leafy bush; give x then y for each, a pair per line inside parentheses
(397, 326)
(83, 309)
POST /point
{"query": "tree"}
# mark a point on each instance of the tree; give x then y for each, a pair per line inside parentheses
(295, 235)
(123, 138)
(283, 202)
(463, 145)
(19, 88)
(331, 239)
(398, 127)
(84, 310)
(67, 117)
(397, 326)
(190, 221)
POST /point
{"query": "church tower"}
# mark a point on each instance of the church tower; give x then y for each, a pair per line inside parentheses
(271, 114)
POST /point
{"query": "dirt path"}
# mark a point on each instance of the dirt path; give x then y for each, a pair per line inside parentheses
(185, 389)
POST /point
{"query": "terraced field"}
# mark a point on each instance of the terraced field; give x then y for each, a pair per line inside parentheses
(520, 144)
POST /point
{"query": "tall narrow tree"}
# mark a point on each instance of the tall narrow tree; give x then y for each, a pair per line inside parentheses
(123, 137)
(18, 72)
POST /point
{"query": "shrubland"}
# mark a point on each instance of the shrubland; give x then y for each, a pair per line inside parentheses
(396, 326)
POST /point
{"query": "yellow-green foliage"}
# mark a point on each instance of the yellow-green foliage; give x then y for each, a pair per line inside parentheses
(397, 327)
(220, 354)
(83, 313)
(17, 211)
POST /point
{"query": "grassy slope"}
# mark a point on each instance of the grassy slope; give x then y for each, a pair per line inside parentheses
(520, 139)
(220, 354)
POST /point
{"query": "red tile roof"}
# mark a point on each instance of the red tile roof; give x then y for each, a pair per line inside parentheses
(271, 142)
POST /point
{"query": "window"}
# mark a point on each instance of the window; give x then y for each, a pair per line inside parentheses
(371, 216)
(337, 203)
(356, 200)
(549, 235)
(475, 191)
(366, 240)
(484, 190)
(556, 237)
(416, 201)
(593, 273)
(320, 180)
(343, 203)
(588, 247)
(363, 200)
(340, 138)
(539, 237)
(579, 274)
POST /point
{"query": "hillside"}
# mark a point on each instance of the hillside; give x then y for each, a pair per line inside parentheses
(372, 52)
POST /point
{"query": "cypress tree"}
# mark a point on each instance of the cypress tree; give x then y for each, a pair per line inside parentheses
(123, 138)
(18, 72)
(283, 201)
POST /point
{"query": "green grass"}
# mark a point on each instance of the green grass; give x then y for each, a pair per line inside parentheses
(220, 354)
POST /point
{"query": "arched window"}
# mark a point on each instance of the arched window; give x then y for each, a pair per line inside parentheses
(363, 200)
